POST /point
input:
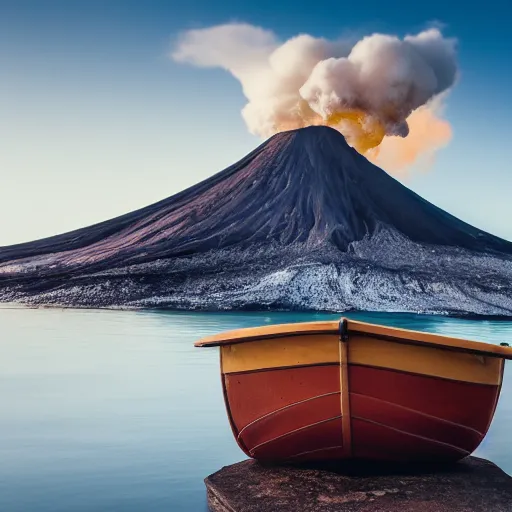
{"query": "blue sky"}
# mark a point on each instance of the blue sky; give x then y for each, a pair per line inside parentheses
(97, 120)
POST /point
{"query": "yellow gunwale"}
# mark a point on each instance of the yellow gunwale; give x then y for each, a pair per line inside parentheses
(394, 334)
(305, 350)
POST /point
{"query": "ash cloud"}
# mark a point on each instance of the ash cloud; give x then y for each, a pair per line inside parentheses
(375, 90)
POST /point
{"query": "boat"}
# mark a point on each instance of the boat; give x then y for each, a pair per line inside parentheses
(347, 389)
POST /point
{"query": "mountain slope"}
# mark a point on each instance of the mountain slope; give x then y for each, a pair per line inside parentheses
(303, 221)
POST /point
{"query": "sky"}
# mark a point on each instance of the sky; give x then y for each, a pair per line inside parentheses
(97, 120)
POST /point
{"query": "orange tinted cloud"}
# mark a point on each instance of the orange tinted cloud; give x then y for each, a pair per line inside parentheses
(428, 133)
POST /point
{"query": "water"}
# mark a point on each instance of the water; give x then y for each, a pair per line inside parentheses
(116, 411)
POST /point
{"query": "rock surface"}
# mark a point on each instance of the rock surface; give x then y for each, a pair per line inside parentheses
(303, 222)
(472, 485)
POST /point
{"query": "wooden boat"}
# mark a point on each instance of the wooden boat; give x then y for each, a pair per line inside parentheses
(348, 389)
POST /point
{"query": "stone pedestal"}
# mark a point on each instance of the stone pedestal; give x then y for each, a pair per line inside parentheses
(472, 485)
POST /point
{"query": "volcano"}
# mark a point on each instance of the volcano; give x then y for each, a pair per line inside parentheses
(303, 222)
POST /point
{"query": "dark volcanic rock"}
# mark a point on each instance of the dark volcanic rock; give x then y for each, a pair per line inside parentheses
(473, 485)
(302, 222)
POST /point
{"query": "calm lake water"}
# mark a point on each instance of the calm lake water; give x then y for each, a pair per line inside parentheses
(116, 411)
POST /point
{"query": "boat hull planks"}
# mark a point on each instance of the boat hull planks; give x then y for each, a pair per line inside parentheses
(307, 394)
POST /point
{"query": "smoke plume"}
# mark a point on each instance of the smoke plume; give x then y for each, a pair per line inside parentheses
(381, 92)
(428, 132)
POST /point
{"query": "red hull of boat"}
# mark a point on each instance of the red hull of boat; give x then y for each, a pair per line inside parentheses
(295, 414)
(377, 393)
